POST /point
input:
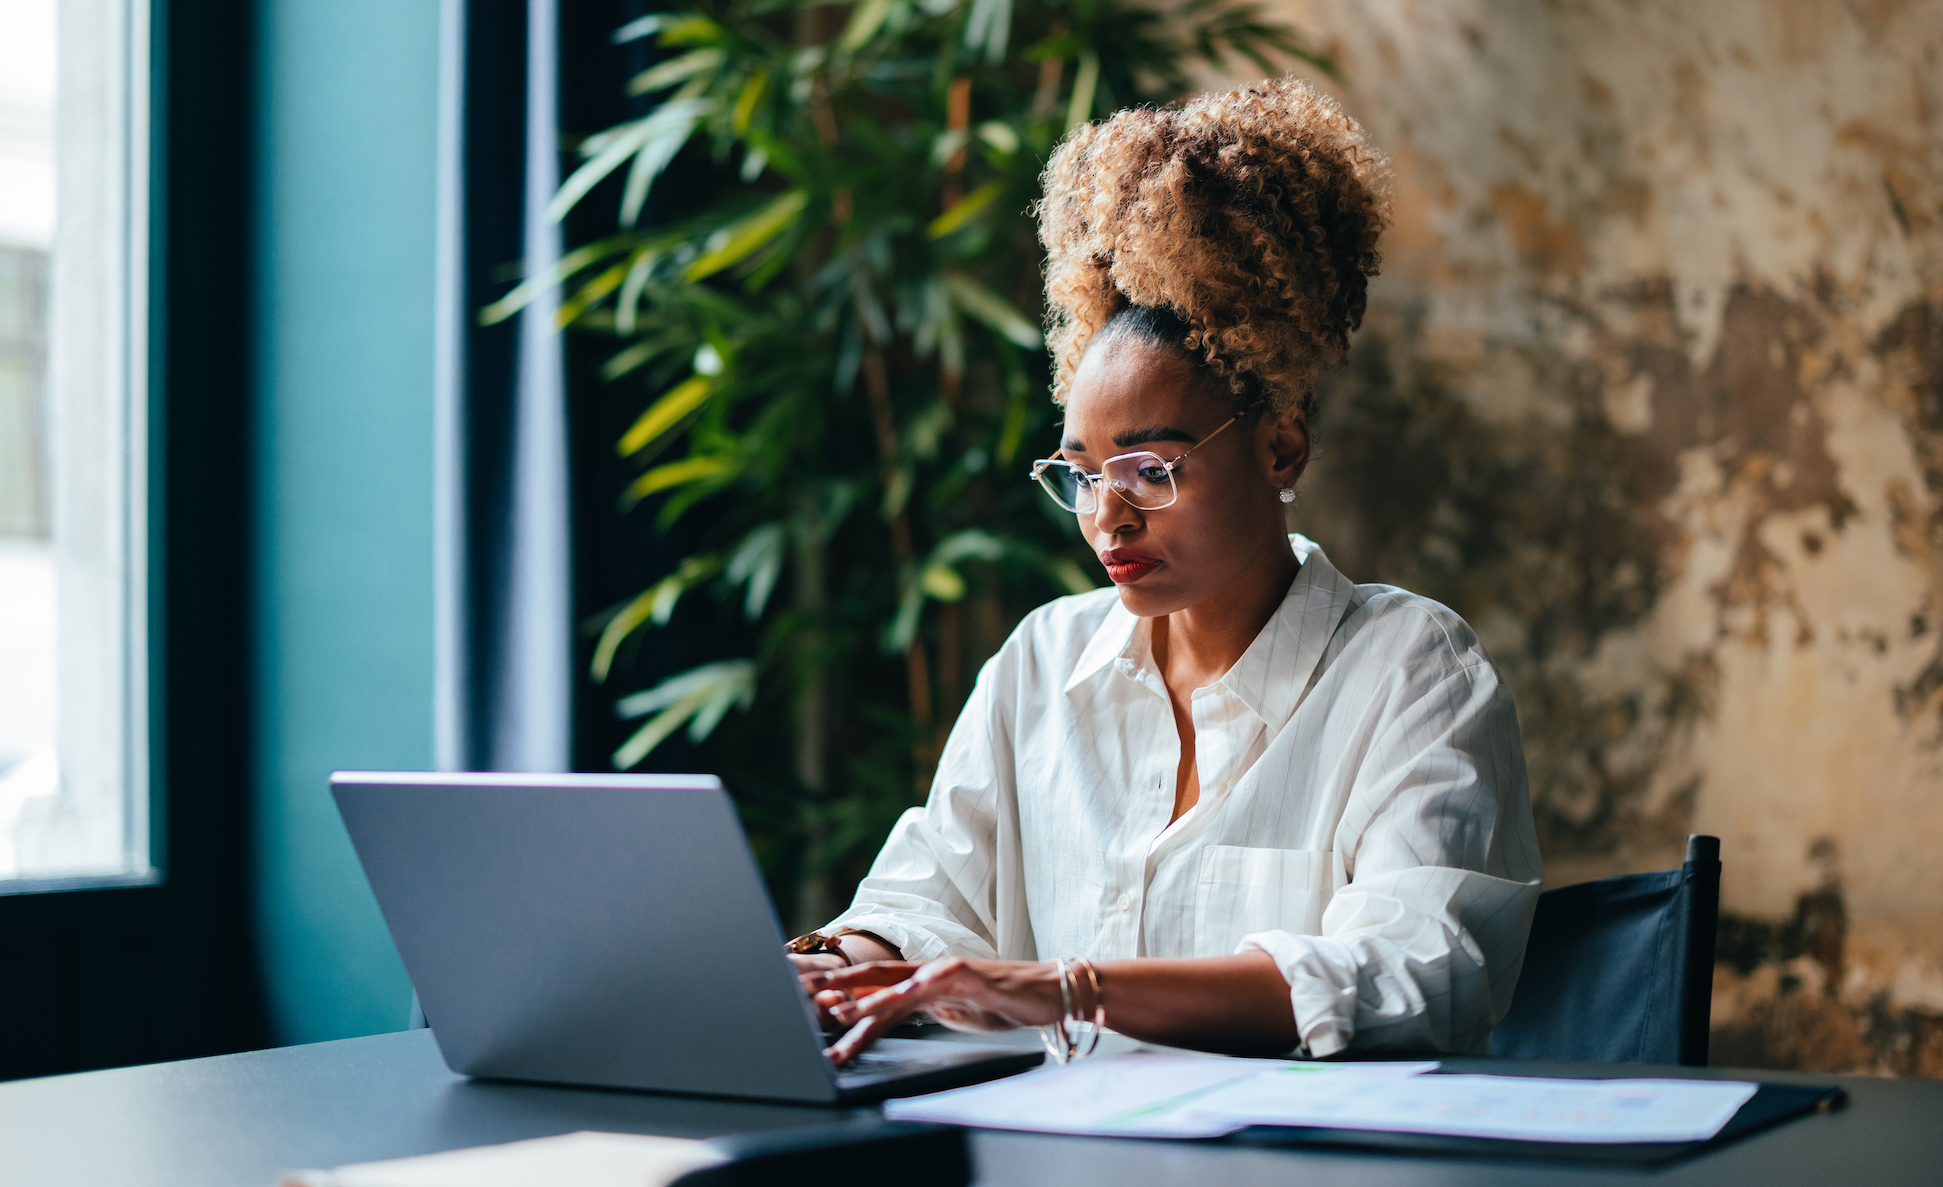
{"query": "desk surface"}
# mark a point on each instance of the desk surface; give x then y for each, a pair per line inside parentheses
(235, 1120)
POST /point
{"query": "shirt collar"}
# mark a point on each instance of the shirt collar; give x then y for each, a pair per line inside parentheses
(1271, 676)
(1114, 640)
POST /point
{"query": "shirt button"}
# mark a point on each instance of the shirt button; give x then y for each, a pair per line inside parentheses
(1123, 903)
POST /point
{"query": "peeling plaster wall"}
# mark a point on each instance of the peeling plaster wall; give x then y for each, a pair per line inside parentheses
(1651, 391)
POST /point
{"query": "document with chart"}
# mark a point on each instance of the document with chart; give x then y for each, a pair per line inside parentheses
(1187, 1096)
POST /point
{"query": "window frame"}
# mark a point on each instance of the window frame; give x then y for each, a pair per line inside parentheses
(98, 393)
(163, 965)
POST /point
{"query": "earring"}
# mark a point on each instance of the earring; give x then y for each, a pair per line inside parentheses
(1288, 494)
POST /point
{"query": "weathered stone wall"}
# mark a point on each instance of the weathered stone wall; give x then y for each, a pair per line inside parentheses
(1651, 391)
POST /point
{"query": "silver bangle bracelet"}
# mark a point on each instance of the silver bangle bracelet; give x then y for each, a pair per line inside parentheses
(1062, 1038)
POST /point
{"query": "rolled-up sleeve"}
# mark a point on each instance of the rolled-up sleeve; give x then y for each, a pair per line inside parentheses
(1439, 872)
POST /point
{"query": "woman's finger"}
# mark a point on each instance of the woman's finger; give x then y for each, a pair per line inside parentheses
(904, 998)
(946, 977)
(874, 975)
(823, 1003)
(856, 1039)
(872, 1016)
(814, 962)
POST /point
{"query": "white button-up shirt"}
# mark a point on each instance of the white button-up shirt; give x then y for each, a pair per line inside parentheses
(1364, 816)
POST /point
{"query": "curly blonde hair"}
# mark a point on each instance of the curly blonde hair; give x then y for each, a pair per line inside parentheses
(1251, 216)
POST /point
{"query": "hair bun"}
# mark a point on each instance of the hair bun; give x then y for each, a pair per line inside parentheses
(1253, 214)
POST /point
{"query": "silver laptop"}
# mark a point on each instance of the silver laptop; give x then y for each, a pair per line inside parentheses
(609, 930)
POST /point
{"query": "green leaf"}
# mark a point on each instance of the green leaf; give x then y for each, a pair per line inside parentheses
(758, 560)
(971, 544)
(655, 604)
(619, 627)
(989, 26)
(666, 74)
(653, 157)
(1000, 135)
(1012, 432)
(1059, 45)
(691, 30)
(775, 153)
(745, 104)
(941, 582)
(966, 209)
(675, 474)
(992, 309)
(863, 24)
(589, 295)
(1079, 108)
(609, 152)
(551, 275)
(938, 578)
(672, 690)
(947, 144)
(740, 239)
(665, 413)
(897, 491)
(1072, 576)
(700, 697)
(630, 358)
(640, 27)
(627, 308)
(904, 625)
(660, 135)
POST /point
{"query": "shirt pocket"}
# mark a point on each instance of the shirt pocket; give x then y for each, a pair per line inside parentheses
(1245, 890)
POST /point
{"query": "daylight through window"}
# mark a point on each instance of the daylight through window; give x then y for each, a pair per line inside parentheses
(73, 404)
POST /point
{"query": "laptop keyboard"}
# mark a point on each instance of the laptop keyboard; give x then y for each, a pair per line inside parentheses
(871, 1063)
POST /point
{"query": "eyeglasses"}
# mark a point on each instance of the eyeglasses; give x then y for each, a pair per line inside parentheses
(1143, 478)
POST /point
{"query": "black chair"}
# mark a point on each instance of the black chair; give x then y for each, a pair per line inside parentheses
(1621, 970)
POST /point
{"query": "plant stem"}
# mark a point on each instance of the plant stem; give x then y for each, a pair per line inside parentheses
(957, 119)
(917, 669)
(813, 899)
(1045, 98)
(950, 658)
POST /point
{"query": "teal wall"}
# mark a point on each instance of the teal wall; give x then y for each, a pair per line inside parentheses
(346, 132)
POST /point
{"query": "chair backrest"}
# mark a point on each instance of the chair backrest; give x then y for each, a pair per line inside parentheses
(1621, 970)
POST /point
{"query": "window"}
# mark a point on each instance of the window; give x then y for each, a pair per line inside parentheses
(73, 418)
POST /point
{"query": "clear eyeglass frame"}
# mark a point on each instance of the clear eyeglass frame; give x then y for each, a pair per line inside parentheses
(1143, 479)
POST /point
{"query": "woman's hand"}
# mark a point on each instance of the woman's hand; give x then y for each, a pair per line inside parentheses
(857, 948)
(962, 994)
(811, 965)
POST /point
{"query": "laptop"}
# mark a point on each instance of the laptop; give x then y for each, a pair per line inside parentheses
(611, 931)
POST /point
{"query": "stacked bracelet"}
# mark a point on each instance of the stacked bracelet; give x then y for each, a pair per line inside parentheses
(1063, 1039)
(817, 944)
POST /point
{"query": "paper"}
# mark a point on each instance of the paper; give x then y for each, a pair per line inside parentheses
(582, 1159)
(1521, 1108)
(1140, 1095)
(1146, 1095)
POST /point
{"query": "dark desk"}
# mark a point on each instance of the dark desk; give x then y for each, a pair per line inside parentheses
(234, 1121)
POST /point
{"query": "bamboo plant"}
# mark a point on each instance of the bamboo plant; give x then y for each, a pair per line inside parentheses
(838, 359)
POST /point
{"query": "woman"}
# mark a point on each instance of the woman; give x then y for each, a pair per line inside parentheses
(1272, 810)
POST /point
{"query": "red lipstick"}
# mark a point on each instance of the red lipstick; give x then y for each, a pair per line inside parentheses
(1128, 565)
